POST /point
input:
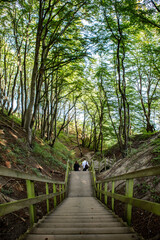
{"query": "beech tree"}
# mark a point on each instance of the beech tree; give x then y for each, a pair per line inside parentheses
(92, 65)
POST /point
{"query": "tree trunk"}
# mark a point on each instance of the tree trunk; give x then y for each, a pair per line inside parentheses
(77, 134)
(28, 116)
(84, 127)
(13, 91)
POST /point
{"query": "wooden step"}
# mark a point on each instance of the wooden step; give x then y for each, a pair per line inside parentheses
(70, 220)
(83, 237)
(78, 230)
(81, 214)
(79, 224)
(81, 217)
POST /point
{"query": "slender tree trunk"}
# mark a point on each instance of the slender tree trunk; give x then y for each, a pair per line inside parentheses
(84, 127)
(68, 121)
(18, 101)
(95, 136)
(90, 138)
(13, 91)
(25, 82)
(5, 81)
(149, 127)
(77, 134)
(28, 116)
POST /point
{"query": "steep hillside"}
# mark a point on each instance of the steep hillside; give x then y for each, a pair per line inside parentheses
(40, 160)
(144, 152)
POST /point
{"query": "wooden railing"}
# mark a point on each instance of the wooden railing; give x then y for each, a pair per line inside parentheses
(128, 199)
(103, 164)
(31, 199)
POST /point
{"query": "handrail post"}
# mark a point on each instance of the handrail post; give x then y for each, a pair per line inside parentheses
(55, 198)
(66, 176)
(128, 207)
(113, 184)
(93, 172)
(31, 194)
(47, 193)
(63, 190)
(100, 189)
(60, 196)
(94, 177)
(105, 196)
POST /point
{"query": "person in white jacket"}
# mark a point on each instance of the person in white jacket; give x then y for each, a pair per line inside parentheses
(85, 165)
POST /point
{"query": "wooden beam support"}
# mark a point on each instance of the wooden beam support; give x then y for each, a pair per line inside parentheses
(105, 195)
(113, 184)
(63, 191)
(98, 190)
(47, 193)
(31, 194)
(55, 198)
(60, 193)
(100, 194)
(128, 207)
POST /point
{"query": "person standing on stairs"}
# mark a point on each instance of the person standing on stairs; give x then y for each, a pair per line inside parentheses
(85, 165)
(76, 166)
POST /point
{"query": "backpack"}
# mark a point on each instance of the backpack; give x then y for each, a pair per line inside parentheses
(86, 166)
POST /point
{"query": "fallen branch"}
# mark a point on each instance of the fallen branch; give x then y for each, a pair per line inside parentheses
(4, 198)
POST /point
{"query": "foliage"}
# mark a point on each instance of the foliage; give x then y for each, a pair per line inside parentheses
(100, 58)
(150, 188)
(7, 191)
(36, 171)
(62, 152)
(156, 151)
(45, 153)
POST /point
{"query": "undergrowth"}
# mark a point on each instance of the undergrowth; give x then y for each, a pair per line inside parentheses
(156, 151)
(58, 155)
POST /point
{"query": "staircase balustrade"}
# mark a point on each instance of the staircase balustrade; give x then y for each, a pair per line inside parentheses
(101, 188)
(59, 189)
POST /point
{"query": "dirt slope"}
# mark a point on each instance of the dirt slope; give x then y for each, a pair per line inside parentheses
(144, 154)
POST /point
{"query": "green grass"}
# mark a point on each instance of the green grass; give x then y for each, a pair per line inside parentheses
(150, 187)
(53, 156)
(36, 171)
(156, 151)
(7, 191)
(60, 150)
(16, 119)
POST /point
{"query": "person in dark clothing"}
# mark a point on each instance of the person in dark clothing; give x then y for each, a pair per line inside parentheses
(76, 166)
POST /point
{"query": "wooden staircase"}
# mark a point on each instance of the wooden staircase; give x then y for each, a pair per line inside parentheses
(81, 217)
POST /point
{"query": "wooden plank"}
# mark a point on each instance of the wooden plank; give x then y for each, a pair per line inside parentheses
(128, 207)
(143, 204)
(113, 185)
(83, 237)
(7, 172)
(55, 198)
(105, 196)
(47, 193)
(79, 230)
(152, 171)
(31, 194)
(20, 204)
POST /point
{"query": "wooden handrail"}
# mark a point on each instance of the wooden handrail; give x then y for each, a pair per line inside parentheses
(7, 172)
(32, 199)
(147, 172)
(128, 197)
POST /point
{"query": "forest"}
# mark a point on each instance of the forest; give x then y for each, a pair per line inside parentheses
(89, 67)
